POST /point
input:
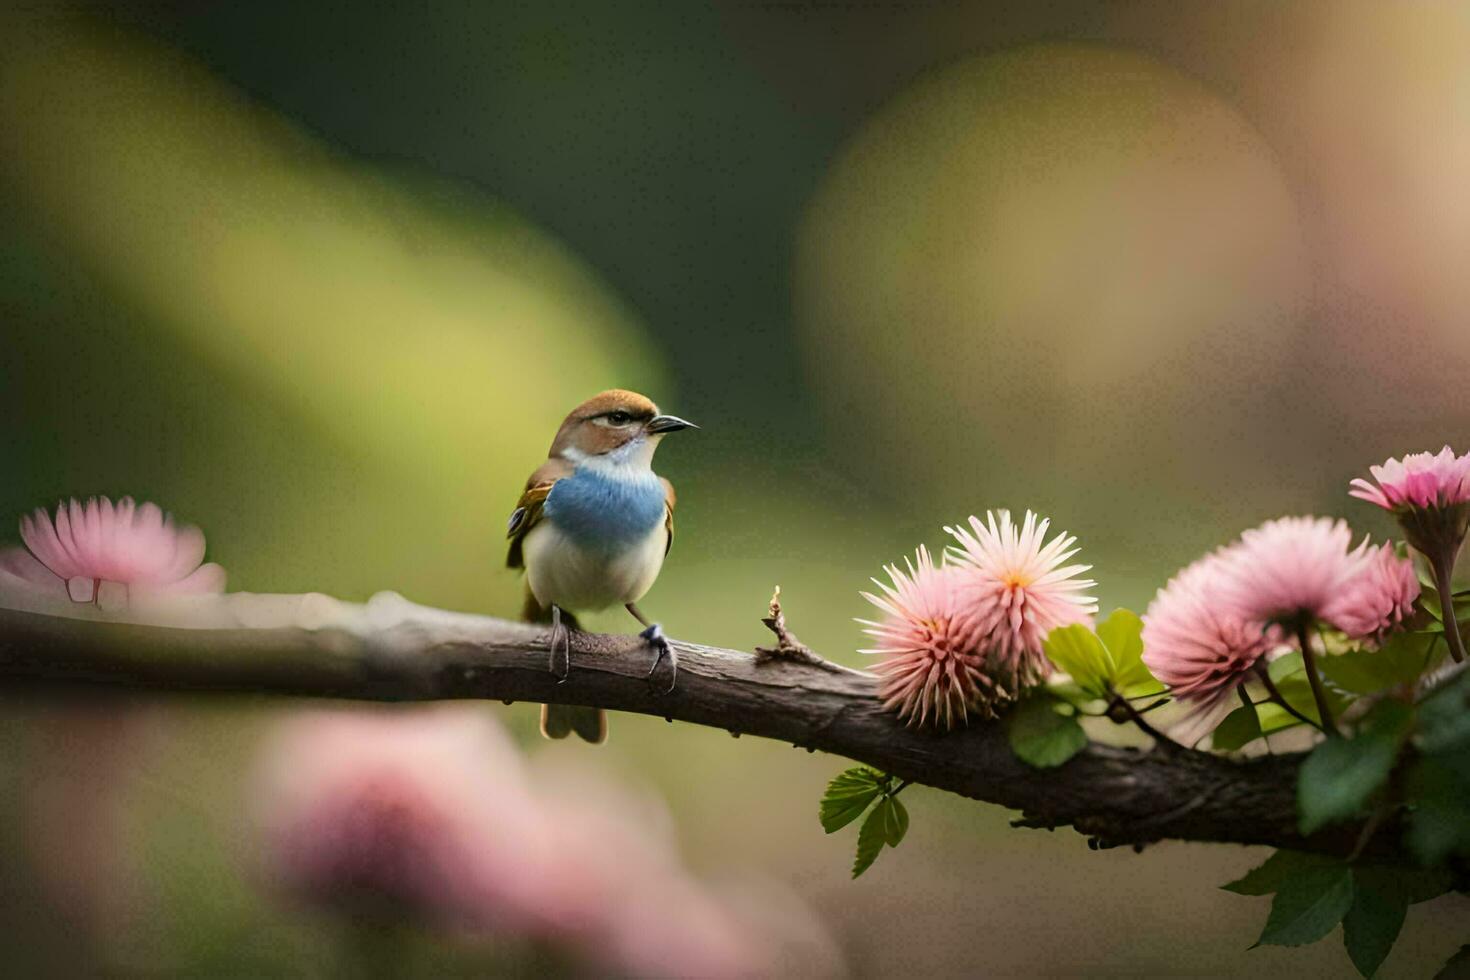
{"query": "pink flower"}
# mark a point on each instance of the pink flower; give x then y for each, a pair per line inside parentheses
(1379, 599)
(430, 816)
(1430, 496)
(1197, 644)
(1419, 480)
(411, 814)
(99, 549)
(1014, 590)
(930, 669)
(1290, 569)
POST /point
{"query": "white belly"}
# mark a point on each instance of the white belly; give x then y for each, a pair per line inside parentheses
(563, 574)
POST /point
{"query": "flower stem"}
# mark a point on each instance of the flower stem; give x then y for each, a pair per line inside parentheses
(1309, 660)
(1136, 717)
(1452, 636)
(1275, 695)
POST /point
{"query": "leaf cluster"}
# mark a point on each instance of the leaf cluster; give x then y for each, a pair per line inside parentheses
(849, 795)
(1313, 893)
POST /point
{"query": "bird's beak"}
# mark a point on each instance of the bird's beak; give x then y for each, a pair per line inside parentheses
(668, 423)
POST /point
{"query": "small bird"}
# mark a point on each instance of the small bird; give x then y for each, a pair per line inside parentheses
(591, 530)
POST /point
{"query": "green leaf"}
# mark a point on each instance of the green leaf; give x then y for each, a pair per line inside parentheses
(1277, 868)
(1444, 717)
(895, 821)
(1241, 727)
(1290, 677)
(1040, 736)
(1400, 660)
(1122, 634)
(848, 795)
(1307, 906)
(1076, 650)
(1341, 774)
(1275, 718)
(1439, 821)
(1375, 918)
(871, 837)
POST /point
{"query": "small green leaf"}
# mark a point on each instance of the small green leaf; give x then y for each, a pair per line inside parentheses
(1290, 677)
(1076, 650)
(1439, 824)
(848, 795)
(1268, 877)
(1444, 717)
(1275, 718)
(1340, 775)
(871, 837)
(1042, 737)
(1400, 660)
(1122, 634)
(1307, 906)
(895, 821)
(1241, 727)
(1375, 918)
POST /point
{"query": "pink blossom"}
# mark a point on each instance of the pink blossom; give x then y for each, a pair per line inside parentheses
(1292, 568)
(91, 551)
(930, 668)
(431, 816)
(420, 814)
(1379, 599)
(1197, 644)
(1419, 480)
(1014, 589)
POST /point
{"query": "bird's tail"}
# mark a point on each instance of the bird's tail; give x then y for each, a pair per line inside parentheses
(561, 720)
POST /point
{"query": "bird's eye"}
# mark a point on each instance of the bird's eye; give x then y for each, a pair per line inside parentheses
(619, 418)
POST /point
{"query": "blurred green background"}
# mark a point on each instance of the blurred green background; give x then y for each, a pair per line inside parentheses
(324, 281)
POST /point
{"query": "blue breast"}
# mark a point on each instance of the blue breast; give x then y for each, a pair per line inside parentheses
(604, 514)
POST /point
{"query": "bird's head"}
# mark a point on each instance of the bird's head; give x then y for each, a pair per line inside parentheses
(617, 427)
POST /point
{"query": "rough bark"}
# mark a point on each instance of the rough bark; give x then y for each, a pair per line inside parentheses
(1116, 796)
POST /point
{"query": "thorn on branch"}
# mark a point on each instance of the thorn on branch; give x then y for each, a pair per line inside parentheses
(788, 647)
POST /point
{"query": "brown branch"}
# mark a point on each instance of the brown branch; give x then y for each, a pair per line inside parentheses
(1116, 796)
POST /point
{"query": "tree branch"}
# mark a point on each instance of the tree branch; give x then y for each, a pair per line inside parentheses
(392, 650)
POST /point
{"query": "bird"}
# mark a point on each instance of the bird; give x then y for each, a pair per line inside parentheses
(591, 530)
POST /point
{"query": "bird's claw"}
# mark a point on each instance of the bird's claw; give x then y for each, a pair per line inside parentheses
(662, 648)
(561, 643)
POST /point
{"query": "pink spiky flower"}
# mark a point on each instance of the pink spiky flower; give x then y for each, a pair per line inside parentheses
(1291, 570)
(930, 670)
(1014, 588)
(1201, 647)
(1430, 496)
(99, 551)
(1378, 600)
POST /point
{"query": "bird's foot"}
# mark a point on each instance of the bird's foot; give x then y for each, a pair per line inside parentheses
(561, 647)
(662, 648)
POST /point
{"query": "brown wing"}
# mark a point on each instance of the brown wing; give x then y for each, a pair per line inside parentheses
(528, 509)
(668, 513)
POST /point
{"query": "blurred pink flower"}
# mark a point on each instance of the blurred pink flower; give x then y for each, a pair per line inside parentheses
(1014, 590)
(414, 814)
(1379, 599)
(1290, 569)
(1199, 645)
(930, 670)
(428, 815)
(1419, 480)
(98, 549)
